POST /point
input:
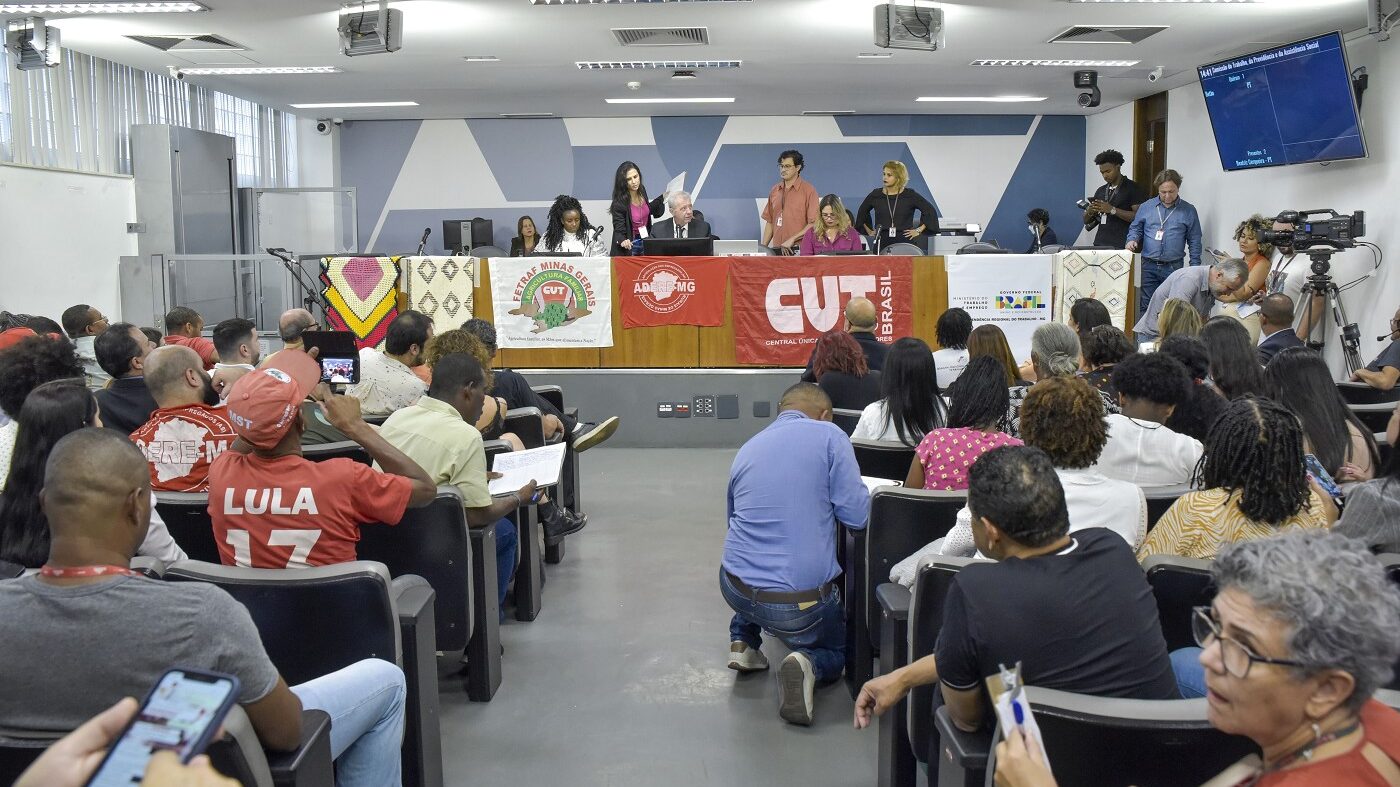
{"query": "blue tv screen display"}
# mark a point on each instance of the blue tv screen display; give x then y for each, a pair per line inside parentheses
(1290, 104)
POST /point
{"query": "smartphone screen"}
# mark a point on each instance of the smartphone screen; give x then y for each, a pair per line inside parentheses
(181, 713)
(337, 354)
(340, 370)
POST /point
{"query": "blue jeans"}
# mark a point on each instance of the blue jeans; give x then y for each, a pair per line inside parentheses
(818, 632)
(366, 703)
(1152, 276)
(506, 541)
(1190, 675)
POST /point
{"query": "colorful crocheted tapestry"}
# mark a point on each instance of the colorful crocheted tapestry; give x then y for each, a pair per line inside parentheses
(361, 296)
(1103, 275)
(440, 287)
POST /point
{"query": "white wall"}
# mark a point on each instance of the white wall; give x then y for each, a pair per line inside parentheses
(1109, 129)
(1226, 198)
(63, 234)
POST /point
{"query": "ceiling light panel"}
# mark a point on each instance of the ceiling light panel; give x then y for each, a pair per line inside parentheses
(1059, 63)
(669, 100)
(668, 65)
(356, 105)
(152, 7)
(482, 59)
(982, 99)
(258, 70)
(627, 2)
(1163, 1)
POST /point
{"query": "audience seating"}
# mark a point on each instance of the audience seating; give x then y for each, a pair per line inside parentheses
(1179, 584)
(883, 458)
(909, 628)
(10, 570)
(962, 755)
(345, 449)
(846, 419)
(901, 521)
(571, 494)
(1361, 393)
(1383, 449)
(186, 516)
(1375, 417)
(1111, 740)
(903, 250)
(377, 420)
(529, 573)
(314, 621)
(1159, 500)
(434, 542)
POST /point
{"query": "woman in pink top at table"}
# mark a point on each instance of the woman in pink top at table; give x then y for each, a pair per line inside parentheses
(980, 399)
(833, 231)
(631, 211)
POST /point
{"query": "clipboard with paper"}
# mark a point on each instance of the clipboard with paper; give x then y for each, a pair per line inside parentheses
(1013, 710)
(517, 468)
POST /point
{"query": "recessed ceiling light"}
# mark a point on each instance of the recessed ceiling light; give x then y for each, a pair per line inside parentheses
(875, 55)
(1059, 63)
(256, 70)
(669, 100)
(982, 99)
(669, 65)
(152, 7)
(356, 104)
(1163, 1)
(520, 115)
(482, 59)
(625, 2)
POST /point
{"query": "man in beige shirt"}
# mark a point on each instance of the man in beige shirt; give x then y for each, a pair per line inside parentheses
(387, 382)
(792, 205)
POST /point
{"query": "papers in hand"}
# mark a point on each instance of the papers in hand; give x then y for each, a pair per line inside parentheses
(1013, 711)
(872, 483)
(1246, 309)
(518, 468)
(675, 184)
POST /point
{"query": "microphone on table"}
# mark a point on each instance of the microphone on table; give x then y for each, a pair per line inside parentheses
(423, 242)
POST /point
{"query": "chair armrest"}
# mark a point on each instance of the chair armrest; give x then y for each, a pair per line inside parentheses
(148, 566)
(894, 600)
(968, 750)
(422, 745)
(552, 394)
(311, 764)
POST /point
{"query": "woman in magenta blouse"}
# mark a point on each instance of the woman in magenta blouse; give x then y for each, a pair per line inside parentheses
(631, 211)
(980, 399)
(833, 231)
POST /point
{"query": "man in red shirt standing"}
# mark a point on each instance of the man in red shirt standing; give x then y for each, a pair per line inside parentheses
(792, 205)
(183, 326)
(271, 507)
(186, 433)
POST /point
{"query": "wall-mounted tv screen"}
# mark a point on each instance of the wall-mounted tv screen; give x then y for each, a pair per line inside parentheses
(1289, 104)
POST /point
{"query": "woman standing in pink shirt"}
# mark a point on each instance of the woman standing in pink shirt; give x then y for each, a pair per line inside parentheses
(631, 211)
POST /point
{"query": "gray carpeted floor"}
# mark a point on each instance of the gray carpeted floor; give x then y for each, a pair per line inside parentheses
(622, 679)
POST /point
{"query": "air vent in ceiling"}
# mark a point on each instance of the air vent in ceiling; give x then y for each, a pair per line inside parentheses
(669, 65)
(1111, 34)
(662, 36)
(190, 43)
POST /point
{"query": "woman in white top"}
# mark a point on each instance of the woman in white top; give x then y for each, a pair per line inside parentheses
(570, 232)
(1141, 448)
(952, 330)
(910, 405)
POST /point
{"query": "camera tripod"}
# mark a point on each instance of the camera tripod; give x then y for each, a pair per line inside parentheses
(1320, 285)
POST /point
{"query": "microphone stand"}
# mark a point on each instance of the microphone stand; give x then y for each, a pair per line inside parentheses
(294, 270)
(423, 242)
(879, 236)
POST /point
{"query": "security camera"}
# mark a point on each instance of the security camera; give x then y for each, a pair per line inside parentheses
(175, 72)
(1155, 74)
(323, 127)
(1090, 99)
(338, 121)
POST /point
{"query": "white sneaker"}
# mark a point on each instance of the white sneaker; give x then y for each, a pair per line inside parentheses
(743, 658)
(797, 682)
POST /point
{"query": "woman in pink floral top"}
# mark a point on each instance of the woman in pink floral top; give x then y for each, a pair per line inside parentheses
(980, 399)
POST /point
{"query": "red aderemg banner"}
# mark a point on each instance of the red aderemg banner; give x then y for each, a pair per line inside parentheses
(671, 290)
(782, 305)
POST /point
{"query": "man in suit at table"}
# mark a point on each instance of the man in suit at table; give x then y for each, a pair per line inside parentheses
(1275, 327)
(684, 223)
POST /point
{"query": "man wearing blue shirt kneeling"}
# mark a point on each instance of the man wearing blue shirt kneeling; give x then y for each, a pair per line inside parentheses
(789, 486)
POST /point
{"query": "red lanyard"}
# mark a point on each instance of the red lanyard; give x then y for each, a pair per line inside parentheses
(71, 572)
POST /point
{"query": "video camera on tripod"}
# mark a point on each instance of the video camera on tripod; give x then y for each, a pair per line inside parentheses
(1320, 234)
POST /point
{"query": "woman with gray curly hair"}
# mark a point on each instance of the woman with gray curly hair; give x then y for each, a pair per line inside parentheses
(1303, 630)
(1054, 353)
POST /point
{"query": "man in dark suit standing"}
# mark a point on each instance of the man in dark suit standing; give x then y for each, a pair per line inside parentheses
(683, 222)
(1275, 327)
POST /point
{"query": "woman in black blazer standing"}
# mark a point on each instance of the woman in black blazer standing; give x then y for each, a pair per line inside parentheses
(893, 206)
(631, 211)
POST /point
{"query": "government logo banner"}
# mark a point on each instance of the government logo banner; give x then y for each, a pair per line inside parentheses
(782, 305)
(1011, 291)
(552, 302)
(655, 291)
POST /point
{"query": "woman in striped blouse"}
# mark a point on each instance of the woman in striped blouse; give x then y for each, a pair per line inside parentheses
(1255, 485)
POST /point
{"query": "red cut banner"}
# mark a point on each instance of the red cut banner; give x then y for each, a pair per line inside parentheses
(657, 291)
(782, 305)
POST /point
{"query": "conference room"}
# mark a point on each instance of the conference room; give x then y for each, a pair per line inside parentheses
(378, 290)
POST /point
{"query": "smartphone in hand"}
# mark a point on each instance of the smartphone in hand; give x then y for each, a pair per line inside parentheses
(338, 356)
(182, 712)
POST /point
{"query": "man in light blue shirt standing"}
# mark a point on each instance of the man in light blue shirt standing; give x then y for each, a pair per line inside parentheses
(790, 486)
(1164, 230)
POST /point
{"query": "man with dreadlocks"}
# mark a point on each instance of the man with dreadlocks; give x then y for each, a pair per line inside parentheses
(1255, 485)
(570, 232)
